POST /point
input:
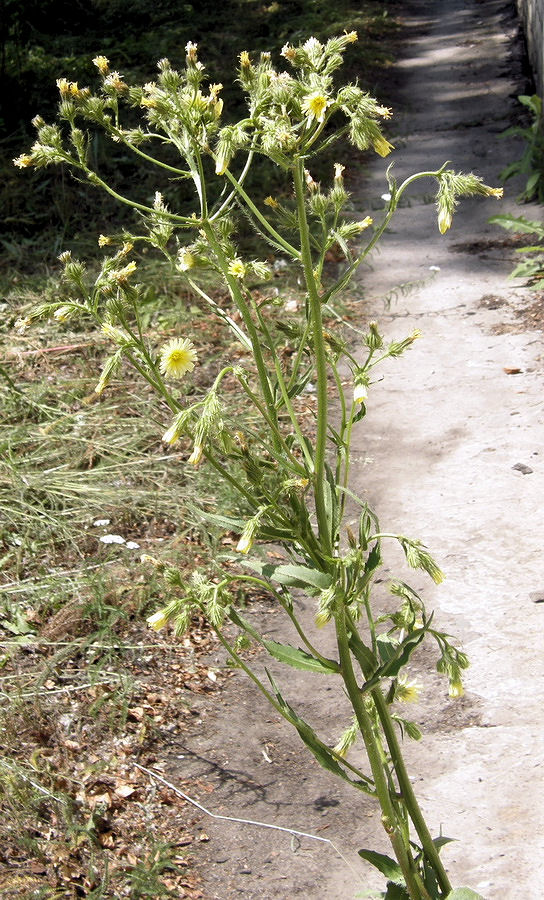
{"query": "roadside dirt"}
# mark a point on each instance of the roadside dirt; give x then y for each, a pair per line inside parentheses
(452, 453)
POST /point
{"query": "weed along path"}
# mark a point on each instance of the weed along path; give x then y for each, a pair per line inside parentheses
(451, 453)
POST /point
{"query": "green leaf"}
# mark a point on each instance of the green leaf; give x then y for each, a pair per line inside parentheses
(464, 893)
(387, 866)
(441, 841)
(297, 576)
(316, 748)
(394, 661)
(305, 577)
(362, 654)
(299, 659)
(519, 224)
(396, 892)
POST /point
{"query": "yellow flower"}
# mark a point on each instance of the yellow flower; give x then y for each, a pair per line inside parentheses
(364, 223)
(62, 313)
(245, 543)
(23, 161)
(191, 50)
(102, 64)
(444, 220)
(384, 111)
(171, 436)
(186, 260)
(237, 268)
(314, 105)
(123, 274)
(158, 620)
(104, 240)
(382, 146)
(360, 393)
(196, 455)
(177, 357)
(116, 82)
(338, 170)
(456, 690)
(407, 691)
(269, 201)
(64, 86)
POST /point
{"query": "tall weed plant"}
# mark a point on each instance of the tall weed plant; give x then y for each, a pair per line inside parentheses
(291, 473)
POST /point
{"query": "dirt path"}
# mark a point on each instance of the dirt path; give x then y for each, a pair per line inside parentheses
(438, 462)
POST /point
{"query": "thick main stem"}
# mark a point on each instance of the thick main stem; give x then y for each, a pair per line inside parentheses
(320, 362)
(408, 795)
(389, 814)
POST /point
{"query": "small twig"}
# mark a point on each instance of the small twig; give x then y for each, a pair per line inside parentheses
(62, 348)
(291, 831)
(62, 690)
(33, 783)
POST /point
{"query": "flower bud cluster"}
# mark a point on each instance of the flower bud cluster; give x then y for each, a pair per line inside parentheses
(418, 557)
(451, 186)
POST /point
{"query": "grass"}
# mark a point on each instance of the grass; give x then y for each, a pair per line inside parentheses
(73, 642)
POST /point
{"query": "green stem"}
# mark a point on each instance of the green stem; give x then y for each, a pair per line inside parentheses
(408, 794)
(277, 706)
(152, 159)
(293, 463)
(393, 203)
(95, 179)
(389, 814)
(239, 181)
(239, 299)
(225, 318)
(262, 219)
(320, 361)
(293, 416)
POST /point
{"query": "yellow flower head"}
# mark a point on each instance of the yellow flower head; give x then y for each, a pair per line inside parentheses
(382, 146)
(116, 82)
(64, 86)
(338, 170)
(288, 52)
(314, 105)
(407, 691)
(191, 51)
(237, 268)
(245, 61)
(23, 161)
(62, 313)
(456, 690)
(123, 274)
(270, 201)
(196, 455)
(444, 220)
(158, 620)
(102, 64)
(186, 260)
(360, 393)
(104, 240)
(384, 111)
(177, 357)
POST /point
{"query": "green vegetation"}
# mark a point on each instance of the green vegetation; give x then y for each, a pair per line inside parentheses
(77, 696)
(285, 461)
(531, 163)
(43, 41)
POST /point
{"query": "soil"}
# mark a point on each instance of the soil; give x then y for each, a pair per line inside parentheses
(452, 453)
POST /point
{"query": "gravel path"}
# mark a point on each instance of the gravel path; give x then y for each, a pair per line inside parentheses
(459, 456)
